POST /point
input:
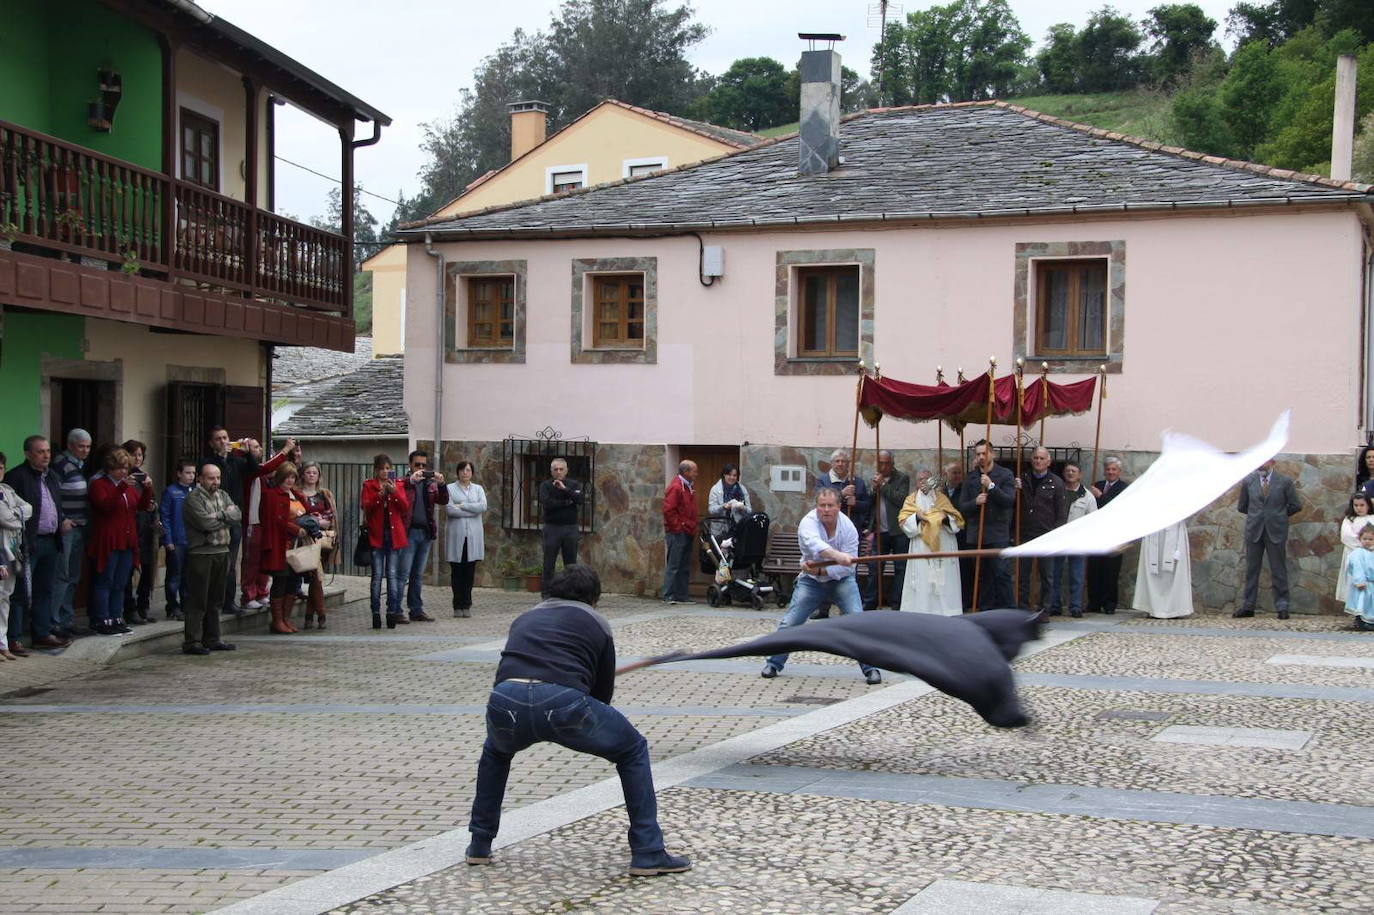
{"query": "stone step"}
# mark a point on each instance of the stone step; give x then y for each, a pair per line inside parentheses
(165, 636)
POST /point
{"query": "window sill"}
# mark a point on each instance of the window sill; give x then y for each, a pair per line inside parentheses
(1086, 365)
(816, 365)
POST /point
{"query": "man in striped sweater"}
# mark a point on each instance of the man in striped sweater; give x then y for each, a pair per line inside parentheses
(70, 468)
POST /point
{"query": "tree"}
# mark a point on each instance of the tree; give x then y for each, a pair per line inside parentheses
(1363, 159)
(751, 95)
(1058, 59)
(1196, 119)
(1248, 96)
(1107, 51)
(994, 51)
(967, 50)
(1181, 31)
(365, 238)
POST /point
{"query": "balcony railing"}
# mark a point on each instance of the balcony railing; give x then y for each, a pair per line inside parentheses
(62, 196)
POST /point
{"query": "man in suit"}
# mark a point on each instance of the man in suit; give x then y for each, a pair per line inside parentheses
(1104, 572)
(890, 489)
(995, 487)
(1267, 500)
(954, 482)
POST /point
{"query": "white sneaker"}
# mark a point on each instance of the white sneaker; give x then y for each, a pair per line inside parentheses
(253, 605)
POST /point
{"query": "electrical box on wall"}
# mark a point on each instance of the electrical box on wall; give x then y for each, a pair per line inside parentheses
(713, 260)
(787, 478)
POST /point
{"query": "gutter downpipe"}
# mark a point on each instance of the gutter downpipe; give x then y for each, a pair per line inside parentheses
(437, 457)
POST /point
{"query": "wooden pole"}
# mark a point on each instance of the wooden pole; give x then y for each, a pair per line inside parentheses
(983, 509)
(1044, 397)
(962, 459)
(877, 513)
(1097, 445)
(1020, 396)
(854, 440)
(939, 430)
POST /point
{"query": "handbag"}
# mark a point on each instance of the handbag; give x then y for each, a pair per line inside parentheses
(362, 552)
(304, 557)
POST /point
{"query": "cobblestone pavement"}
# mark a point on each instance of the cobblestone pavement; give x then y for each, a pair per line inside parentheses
(175, 784)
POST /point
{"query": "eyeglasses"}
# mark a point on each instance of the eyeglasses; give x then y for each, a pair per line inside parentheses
(420, 465)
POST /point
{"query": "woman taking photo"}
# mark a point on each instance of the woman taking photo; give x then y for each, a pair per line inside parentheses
(319, 504)
(467, 501)
(385, 514)
(113, 542)
(136, 599)
(279, 510)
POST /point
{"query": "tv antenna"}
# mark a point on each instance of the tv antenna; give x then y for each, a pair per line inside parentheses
(877, 16)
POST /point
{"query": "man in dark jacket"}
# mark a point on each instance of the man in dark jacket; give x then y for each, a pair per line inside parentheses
(32, 606)
(1104, 572)
(1044, 506)
(890, 489)
(425, 489)
(554, 683)
(992, 486)
(560, 498)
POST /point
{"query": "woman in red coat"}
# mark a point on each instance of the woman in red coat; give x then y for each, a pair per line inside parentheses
(113, 540)
(385, 513)
(279, 508)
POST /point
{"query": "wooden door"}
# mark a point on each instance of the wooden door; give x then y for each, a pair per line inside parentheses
(709, 460)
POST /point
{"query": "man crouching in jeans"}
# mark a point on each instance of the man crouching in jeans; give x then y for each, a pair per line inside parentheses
(554, 683)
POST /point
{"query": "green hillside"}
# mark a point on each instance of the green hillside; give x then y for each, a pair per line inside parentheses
(1140, 113)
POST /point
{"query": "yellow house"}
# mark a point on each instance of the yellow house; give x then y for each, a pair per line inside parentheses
(610, 142)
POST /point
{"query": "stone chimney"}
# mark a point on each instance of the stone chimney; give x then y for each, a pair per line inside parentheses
(1343, 124)
(819, 135)
(528, 126)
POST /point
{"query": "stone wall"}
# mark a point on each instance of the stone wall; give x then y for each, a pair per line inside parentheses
(627, 545)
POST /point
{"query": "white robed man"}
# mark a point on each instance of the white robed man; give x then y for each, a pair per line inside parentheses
(931, 521)
(1164, 578)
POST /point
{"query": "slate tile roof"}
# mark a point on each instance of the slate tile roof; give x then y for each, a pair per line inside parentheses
(366, 401)
(299, 364)
(926, 162)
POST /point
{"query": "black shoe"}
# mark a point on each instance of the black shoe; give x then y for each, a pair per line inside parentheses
(391, 621)
(1283, 614)
(1363, 625)
(1076, 614)
(376, 621)
(195, 649)
(478, 852)
(663, 863)
(178, 616)
(1242, 614)
(873, 677)
(224, 646)
(768, 672)
(1109, 610)
(1056, 612)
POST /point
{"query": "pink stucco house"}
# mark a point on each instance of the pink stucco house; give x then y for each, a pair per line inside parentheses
(718, 312)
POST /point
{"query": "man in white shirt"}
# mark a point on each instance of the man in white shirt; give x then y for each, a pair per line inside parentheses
(825, 535)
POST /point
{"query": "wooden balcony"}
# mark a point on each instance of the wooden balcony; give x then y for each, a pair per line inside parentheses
(59, 197)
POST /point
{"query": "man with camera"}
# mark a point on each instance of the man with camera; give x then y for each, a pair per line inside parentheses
(425, 489)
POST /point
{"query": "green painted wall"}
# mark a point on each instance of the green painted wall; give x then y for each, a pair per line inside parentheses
(48, 64)
(24, 47)
(28, 337)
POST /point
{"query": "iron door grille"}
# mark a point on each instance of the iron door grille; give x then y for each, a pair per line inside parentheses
(525, 464)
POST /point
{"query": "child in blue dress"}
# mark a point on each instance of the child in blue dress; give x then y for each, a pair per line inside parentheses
(1360, 602)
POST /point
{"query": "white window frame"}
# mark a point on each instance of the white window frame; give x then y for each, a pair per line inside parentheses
(552, 170)
(628, 165)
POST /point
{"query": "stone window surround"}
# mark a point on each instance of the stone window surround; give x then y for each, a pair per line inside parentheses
(455, 320)
(583, 269)
(1023, 304)
(785, 360)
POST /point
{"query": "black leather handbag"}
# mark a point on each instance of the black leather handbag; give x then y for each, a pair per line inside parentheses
(362, 552)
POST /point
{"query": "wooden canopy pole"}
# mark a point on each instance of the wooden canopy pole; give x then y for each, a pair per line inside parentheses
(1101, 395)
(962, 452)
(854, 441)
(983, 509)
(939, 429)
(877, 512)
(1020, 397)
(1044, 397)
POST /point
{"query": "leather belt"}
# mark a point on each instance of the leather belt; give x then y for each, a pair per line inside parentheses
(520, 680)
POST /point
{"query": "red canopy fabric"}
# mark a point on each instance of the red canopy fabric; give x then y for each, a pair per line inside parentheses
(967, 403)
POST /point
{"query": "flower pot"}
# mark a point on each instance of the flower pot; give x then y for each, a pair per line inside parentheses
(534, 582)
(511, 583)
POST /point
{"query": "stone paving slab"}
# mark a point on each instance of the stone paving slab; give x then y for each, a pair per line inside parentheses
(1071, 743)
(969, 898)
(1310, 660)
(1270, 738)
(776, 853)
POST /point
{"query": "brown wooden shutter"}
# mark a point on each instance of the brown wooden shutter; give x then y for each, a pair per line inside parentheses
(244, 412)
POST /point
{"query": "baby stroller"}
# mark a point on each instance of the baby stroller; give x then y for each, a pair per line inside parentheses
(735, 560)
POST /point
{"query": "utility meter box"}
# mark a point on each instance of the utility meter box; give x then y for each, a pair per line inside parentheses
(713, 261)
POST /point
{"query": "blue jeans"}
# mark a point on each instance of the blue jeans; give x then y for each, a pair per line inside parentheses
(521, 714)
(678, 570)
(1068, 572)
(69, 577)
(31, 606)
(107, 591)
(386, 564)
(808, 595)
(171, 584)
(412, 572)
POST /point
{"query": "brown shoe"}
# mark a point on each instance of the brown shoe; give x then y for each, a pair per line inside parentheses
(314, 604)
(288, 604)
(50, 641)
(18, 649)
(421, 617)
(277, 626)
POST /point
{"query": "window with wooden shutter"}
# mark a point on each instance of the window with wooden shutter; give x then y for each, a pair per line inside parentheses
(1071, 307)
(491, 311)
(618, 311)
(199, 150)
(828, 312)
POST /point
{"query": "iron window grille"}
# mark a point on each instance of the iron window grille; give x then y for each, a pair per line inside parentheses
(525, 464)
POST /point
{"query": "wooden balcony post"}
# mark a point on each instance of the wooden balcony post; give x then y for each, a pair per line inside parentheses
(250, 193)
(346, 208)
(167, 247)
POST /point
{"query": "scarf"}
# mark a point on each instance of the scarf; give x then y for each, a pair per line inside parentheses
(731, 491)
(934, 518)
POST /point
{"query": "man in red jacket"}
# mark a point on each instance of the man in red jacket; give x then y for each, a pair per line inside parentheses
(679, 529)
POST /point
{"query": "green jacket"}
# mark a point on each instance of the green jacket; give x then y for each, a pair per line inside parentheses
(207, 517)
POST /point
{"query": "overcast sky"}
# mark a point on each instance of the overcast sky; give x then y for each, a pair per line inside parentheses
(410, 58)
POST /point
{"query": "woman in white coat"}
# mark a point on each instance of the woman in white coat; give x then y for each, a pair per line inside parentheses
(467, 502)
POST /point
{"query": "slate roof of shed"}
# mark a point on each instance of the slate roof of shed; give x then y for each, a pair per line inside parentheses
(367, 401)
(300, 364)
(945, 161)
